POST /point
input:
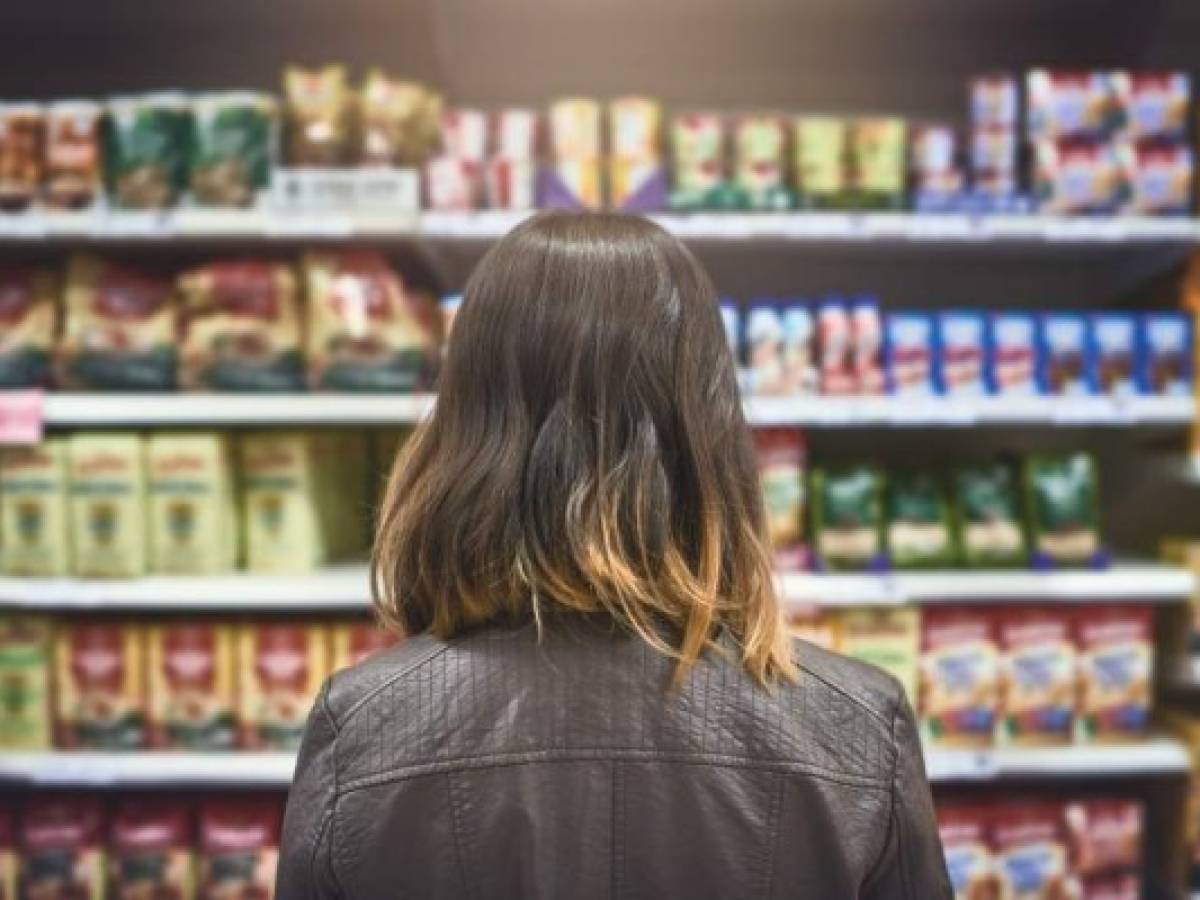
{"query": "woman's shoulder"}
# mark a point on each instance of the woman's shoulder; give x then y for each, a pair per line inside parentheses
(868, 686)
(349, 689)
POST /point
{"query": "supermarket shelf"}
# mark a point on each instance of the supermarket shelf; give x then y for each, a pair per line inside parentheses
(89, 410)
(345, 588)
(267, 225)
(162, 768)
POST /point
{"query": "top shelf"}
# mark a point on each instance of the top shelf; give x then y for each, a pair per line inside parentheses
(267, 226)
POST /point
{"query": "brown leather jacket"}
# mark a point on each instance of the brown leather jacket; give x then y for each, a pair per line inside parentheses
(498, 766)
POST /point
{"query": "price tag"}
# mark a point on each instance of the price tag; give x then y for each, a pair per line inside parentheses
(22, 416)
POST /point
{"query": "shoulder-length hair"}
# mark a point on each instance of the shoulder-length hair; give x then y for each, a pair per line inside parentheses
(587, 452)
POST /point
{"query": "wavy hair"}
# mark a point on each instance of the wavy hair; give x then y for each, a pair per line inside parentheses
(588, 452)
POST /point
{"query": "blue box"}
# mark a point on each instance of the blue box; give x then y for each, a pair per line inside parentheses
(1166, 356)
(961, 343)
(1012, 354)
(1113, 370)
(1065, 358)
(910, 348)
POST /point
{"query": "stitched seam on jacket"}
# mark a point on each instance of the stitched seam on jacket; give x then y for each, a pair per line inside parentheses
(404, 773)
(858, 701)
(618, 826)
(322, 829)
(893, 822)
(334, 794)
(358, 704)
(456, 826)
(773, 833)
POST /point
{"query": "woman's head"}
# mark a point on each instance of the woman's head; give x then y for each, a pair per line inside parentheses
(588, 452)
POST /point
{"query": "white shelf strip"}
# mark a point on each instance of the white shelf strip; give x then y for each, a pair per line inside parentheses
(1161, 756)
(90, 410)
(346, 588)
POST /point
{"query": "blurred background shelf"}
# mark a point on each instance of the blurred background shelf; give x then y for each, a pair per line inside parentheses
(1161, 756)
(346, 588)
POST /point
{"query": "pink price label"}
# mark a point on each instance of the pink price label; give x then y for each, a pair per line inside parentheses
(22, 414)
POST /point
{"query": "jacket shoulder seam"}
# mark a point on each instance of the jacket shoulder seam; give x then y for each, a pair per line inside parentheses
(854, 698)
(387, 682)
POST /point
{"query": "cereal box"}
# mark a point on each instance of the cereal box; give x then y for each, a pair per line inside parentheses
(867, 352)
(62, 847)
(1030, 851)
(1037, 676)
(1115, 336)
(280, 501)
(280, 670)
(1012, 354)
(1165, 358)
(1158, 178)
(1116, 669)
(193, 516)
(835, 348)
(1155, 104)
(1105, 835)
(192, 681)
(99, 686)
(766, 372)
(960, 677)
(963, 830)
(353, 642)
(33, 509)
(25, 667)
(1071, 104)
(1065, 355)
(108, 505)
(780, 454)
(239, 846)
(28, 327)
(150, 849)
(960, 356)
(994, 100)
(1077, 176)
(887, 638)
(909, 351)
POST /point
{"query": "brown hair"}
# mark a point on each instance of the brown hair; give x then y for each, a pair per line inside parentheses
(588, 452)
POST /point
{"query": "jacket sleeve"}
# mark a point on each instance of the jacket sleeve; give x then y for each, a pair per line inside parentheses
(912, 866)
(305, 862)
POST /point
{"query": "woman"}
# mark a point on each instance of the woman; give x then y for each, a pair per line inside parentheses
(600, 699)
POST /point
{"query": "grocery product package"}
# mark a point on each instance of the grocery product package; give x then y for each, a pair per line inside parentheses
(835, 348)
(366, 332)
(317, 116)
(963, 829)
(74, 163)
(1012, 349)
(22, 134)
(909, 353)
(766, 366)
(760, 162)
(698, 155)
(28, 327)
(239, 846)
(1037, 676)
(343, 466)
(847, 505)
(960, 677)
(353, 642)
(150, 849)
(280, 670)
(242, 327)
(10, 862)
(146, 150)
(821, 150)
(193, 515)
(867, 361)
(800, 374)
(1166, 357)
(889, 639)
(26, 647)
(99, 685)
(1116, 671)
(1030, 850)
(1105, 836)
(991, 529)
(33, 509)
(192, 678)
(281, 503)
(1078, 176)
(235, 139)
(1072, 104)
(920, 530)
(1115, 344)
(107, 484)
(119, 331)
(935, 170)
(62, 847)
(780, 455)
(1061, 500)
(399, 121)
(878, 151)
(961, 342)
(635, 166)
(815, 625)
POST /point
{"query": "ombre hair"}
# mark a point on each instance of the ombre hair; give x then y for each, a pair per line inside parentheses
(587, 453)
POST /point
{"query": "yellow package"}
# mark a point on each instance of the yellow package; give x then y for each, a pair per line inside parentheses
(25, 647)
(30, 303)
(107, 476)
(99, 685)
(192, 681)
(280, 670)
(33, 509)
(281, 503)
(575, 129)
(887, 638)
(193, 519)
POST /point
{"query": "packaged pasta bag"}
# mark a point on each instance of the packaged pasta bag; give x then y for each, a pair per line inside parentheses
(234, 140)
(317, 103)
(1063, 506)
(919, 526)
(99, 686)
(192, 685)
(241, 327)
(120, 329)
(28, 327)
(366, 332)
(280, 670)
(400, 121)
(146, 150)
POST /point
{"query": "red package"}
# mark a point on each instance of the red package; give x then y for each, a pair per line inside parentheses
(867, 326)
(62, 844)
(1105, 835)
(836, 349)
(1111, 887)
(1038, 682)
(963, 830)
(780, 454)
(239, 847)
(354, 642)
(150, 849)
(1116, 670)
(1030, 851)
(959, 691)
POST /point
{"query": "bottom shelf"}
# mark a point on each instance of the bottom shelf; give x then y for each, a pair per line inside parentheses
(1161, 756)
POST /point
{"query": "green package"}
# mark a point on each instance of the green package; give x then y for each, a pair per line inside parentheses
(1062, 499)
(878, 153)
(919, 528)
(146, 150)
(821, 145)
(234, 136)
(990, 531)
(848, 516)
